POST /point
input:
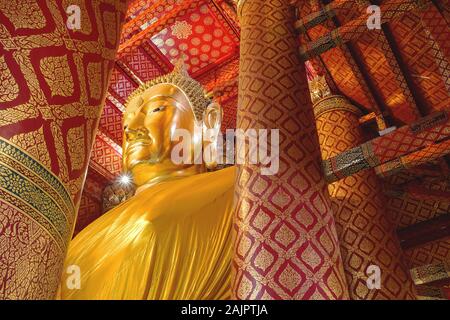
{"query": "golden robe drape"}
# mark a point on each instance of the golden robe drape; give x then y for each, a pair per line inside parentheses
(171, 241)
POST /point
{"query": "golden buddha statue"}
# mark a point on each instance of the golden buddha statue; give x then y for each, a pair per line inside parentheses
(172, 239)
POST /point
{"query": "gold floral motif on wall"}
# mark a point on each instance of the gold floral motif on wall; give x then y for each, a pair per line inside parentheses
(94, 74)
(23, 13)
(9, 88)
(34, 143)
(56, 72)
(75, 144)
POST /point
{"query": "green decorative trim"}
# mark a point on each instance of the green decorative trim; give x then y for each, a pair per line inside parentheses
(31, 187)
(334, 103)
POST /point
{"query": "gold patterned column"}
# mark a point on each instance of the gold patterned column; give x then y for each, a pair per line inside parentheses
(53, 84)
(366, 235)
(286, 243)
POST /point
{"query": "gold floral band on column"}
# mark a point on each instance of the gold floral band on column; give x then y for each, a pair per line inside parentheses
(286, 244)
(54, 77)
(332, 103)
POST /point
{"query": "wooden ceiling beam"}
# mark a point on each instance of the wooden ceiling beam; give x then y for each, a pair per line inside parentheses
(327, 12)
(377, 103)
(400, 70)
(425, 140)
(420, 157)
(417, 191)
(423, 232)
(353, 30)
(141, 19)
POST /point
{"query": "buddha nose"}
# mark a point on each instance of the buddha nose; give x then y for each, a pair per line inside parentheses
(134, 134)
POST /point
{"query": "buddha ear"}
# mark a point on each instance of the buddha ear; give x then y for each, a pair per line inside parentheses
(212, 121)
(212, 116)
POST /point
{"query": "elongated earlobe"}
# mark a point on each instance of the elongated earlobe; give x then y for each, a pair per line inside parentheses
(212, 122)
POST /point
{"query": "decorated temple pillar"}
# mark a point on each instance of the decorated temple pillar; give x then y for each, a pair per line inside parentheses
(55, 63)
(367, 238)
(286, 245)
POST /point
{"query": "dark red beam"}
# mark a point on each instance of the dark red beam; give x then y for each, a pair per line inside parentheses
(423, 232)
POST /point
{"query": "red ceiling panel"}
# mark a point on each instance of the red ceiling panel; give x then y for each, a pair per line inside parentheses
(142, 64)
(111, 122)
(199, 37)
(121, 86)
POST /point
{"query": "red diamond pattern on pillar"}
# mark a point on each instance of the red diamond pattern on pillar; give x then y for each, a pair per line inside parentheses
(366, 236)
(293, 253)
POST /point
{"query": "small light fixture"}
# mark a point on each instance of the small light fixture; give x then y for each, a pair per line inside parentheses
(125, 179)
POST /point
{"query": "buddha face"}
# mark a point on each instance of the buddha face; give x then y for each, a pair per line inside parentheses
(149, 124)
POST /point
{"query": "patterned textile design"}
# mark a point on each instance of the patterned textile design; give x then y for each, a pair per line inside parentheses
(366, 236)
(286, 242)
(404, 141)
(54, 81)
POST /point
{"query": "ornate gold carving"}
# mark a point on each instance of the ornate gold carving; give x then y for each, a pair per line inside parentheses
(95, 84)
(431, 272)
(319, 89)
(56, 72)
(333, 103)
(75, 145)
(9, 90)
(110, 25)
(34, 143)
(23, 13)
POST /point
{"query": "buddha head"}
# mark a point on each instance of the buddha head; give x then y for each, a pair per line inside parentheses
(155, 113)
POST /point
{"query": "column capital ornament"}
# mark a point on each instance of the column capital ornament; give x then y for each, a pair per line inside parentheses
(334, 103)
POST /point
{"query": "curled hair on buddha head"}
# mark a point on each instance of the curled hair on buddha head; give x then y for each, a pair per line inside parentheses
(179, 78)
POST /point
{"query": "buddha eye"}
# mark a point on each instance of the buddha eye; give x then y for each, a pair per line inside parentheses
(159, 109)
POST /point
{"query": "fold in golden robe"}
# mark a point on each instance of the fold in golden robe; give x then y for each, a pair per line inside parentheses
(171, 241)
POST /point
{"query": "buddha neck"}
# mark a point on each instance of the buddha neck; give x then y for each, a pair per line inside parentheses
(149, 175)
